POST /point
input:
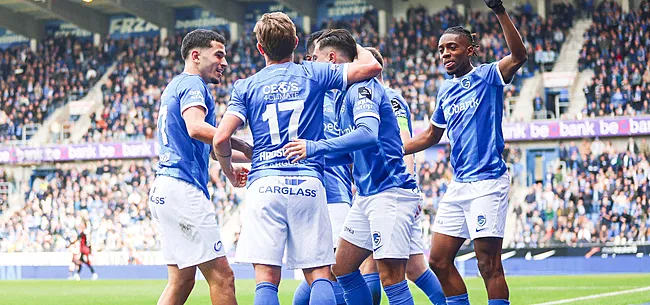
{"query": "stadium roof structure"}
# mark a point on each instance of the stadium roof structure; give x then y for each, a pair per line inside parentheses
(27, 17)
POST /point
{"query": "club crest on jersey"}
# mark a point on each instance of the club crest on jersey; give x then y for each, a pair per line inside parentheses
(481, 220)
(465, 83)
(218, 246)
(365, 92)
(376, 240)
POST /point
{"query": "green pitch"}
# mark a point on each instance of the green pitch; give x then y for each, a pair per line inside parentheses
(523, 290)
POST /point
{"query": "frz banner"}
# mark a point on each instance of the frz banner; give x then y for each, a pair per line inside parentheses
(127, 26)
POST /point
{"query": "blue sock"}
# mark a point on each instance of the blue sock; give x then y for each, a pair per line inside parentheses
(462, 299)
(399, 294)
(301, 297)
(430, 285)
(355, 289)
(338, 293)
(266, 294)
(322, 293)
(498, 302)
(374, 284)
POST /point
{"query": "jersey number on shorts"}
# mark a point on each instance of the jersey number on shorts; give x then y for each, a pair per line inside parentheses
(163, 124)
(271, 116)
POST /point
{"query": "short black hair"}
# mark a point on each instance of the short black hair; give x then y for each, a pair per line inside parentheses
(199, 39)
(375, 53)
(459, 30)
(311, 41)
(341, 40)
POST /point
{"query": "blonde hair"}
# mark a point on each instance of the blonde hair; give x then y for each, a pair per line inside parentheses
(276, 33)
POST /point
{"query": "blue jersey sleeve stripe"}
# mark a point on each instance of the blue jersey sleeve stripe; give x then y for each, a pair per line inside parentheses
(434, 123)
(237, 114)
(202, 104)
(367, 114)
(345, 76)
(496, 66)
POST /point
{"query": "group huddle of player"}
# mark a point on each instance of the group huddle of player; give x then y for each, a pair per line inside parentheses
(319, 128)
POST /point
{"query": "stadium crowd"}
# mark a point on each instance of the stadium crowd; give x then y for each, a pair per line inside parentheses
(111, 196)
(416, 71)
(618, 51)
(35, 84)
(597, 194)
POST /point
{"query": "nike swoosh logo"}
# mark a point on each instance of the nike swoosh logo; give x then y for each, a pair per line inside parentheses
(375, 249)
(479, 230)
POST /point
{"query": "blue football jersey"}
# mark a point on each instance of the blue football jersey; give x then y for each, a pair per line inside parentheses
(402, 114)
(471, 108)
(338, 179)
(181, 156)
(283, 102)
(381, 166)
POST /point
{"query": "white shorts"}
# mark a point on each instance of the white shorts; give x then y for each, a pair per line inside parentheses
(384, 223)
(338, 212)
(289, 211)
(474, 209)
(188, 222)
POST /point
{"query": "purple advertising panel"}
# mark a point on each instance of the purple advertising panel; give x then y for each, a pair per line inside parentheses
(513, 132)
(90, 151)
(588, 128)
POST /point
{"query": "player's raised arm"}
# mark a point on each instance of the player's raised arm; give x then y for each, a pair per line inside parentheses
(518, 55)
(364, 67)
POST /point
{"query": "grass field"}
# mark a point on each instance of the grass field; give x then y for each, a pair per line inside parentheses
(523, 290)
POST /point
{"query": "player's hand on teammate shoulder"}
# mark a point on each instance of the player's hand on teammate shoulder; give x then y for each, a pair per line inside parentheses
(296, 149)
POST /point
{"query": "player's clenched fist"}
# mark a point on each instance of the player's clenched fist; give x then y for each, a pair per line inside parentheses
(495, 5)
(237, 175)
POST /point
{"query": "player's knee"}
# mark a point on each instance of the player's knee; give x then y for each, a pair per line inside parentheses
(391, 271)
(439, 264)
(182, 285)
(414, 271)
(225, 280)
(340, 270)
(490, 268)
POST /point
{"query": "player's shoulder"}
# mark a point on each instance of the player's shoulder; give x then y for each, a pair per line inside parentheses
(483, 69)
(189, 80)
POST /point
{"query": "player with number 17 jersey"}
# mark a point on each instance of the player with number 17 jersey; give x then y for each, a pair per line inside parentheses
(283, 102)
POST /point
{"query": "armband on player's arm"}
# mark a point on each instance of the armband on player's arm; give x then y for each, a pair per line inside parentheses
(365, 135)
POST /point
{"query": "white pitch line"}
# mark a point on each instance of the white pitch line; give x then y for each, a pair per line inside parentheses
(597, 296)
